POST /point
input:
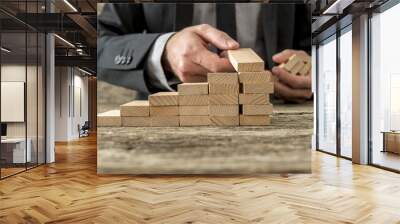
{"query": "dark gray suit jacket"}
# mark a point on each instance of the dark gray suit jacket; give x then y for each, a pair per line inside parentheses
(126, 33)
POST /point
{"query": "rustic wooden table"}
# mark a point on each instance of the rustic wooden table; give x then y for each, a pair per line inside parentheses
(282, 147)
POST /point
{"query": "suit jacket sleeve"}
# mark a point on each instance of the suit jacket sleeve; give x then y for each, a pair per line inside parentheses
(123, 45)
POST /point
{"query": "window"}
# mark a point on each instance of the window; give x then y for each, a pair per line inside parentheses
(327, 95)
(385, 89)
(346, 95)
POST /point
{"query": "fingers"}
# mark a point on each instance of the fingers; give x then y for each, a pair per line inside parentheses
(191, 72)
(219, 39)
(294, 81)
(212, 62)
(285, 55)
(196, 78)
(288, 93)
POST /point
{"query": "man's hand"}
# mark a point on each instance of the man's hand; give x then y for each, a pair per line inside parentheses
(187, 55)
(290, 87)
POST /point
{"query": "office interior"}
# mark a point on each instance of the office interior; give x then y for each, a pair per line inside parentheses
(48, 78)
(357, 82)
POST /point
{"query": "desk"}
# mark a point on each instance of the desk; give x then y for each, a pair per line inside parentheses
(282, 147)
(13, 150)
(391, 141)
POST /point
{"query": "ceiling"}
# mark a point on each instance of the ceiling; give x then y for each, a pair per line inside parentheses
(74, 21)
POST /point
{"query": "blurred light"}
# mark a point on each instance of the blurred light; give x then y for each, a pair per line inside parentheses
(70, 5)
(64, 40)
(86, 72)
(5, 50)
(337, 7)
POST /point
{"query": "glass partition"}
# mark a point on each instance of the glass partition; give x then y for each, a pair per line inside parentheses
(14, 153)
(22, 101)
(385, 89)
(327, 95)
(346, 92)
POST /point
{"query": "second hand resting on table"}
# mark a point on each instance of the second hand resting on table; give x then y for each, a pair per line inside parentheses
(187, 55)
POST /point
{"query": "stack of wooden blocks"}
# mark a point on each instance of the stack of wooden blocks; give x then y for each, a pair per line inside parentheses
(255, 86)
(193, 104)
(297, 65)
(227, 99)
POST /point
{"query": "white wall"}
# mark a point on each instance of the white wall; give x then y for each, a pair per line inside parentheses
(69, 82)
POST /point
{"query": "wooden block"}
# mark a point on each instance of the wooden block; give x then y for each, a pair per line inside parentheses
(164, 99)
(255, 99)
(200, 88)
(109, 119)
(297, 68)
(224, 110)
(257, 109)
(194, 120)
(293, 60)
(224, 120)
(136, 121)
(193, 100)
(193, 110)
(266, 87)
(135, 108)
(254, 120)
(245, 60)
(304, 58)
(165, 121)
(224, 78)
(305, 70)
(223, 99)
(224, 89)
(164, 111)
(254, 77)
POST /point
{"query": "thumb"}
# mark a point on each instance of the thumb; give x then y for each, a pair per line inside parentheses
(219, 39)
(283, 56)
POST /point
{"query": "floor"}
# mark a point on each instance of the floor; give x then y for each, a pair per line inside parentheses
(70, 191)
(387, 159)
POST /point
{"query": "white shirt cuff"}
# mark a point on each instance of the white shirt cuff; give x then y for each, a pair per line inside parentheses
(154, 66)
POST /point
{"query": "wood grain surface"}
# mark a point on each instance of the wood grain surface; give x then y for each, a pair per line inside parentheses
(193, 88)
(281, 147)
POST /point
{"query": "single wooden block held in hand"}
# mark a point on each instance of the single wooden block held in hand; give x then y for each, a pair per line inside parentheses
(245, 60)
(254, 77)
(293, 61)
(164, 111)
(266, 109)
(256, 98)
(109, 119)
(255, 120)
(297, 68)
(194, 120)
(165, 121)
(305, 70)
(224, 120)
(224, 89)
(164, 99)
(223, 78)
(265, 87)
(193, 100)
(200, 88)
(193, 110)
(224, 110)
(135, 108)
(136, 121)
(223, 99)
